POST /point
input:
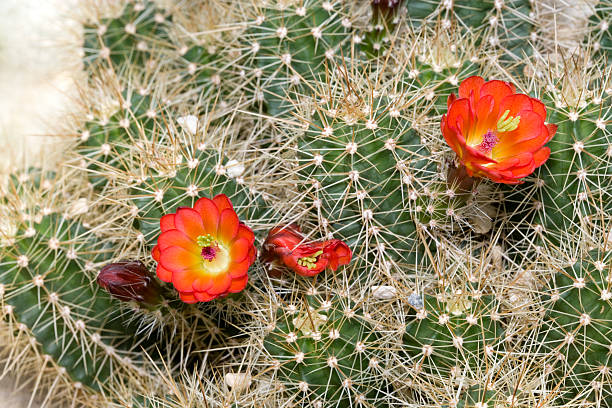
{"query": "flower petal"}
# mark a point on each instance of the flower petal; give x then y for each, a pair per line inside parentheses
(525, 170)
(183, 280)
(176, 238)
(220, 284)
(246, 233)
(539, 108)
(519, 160)
(252, 254)
(155, 253)
(486, 119)
(552, 129)
(163, 273)
(530, 135)
(239, 249)
(318, 268)
(203, 282)
(458, 118)
(239, 269)
(495, 175)
(541, 156)
(210, 214)
(176, 259)
(476, 156)
(188, 297)
(222, 202)
(471, 87)
(238, 284)
(515, 104)
(343, 255)
(203, 296)
(451, 98)
(498, 89)
(167, 222)
(189, 221)
(228, 225)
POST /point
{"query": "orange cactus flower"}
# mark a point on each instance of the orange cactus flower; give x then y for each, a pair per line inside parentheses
(496, 132)
(205, 251)
(288, 246)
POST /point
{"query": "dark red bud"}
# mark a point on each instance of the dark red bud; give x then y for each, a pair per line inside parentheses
(386, 3)
(385, 7)
(130, 281)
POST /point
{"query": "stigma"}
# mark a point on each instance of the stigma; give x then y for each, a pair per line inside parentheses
(489, 140)
(209, 247)
(209, 253)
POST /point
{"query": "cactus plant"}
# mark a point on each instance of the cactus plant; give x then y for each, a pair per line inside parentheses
(65, 313)
(140, 30)
(449, 336)
(574, 185)
(325, 354)
(371, 169)
(506, 25)
(327, 115)
(600, 38)
(291, 46)
(577, 331)
(46, 277)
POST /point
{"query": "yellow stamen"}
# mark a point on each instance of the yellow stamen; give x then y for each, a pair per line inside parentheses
(309, 262)
(507, 124)
(205, 240)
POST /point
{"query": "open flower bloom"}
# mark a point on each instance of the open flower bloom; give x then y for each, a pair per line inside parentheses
(205, 251)
(496, 132)
(287, 246)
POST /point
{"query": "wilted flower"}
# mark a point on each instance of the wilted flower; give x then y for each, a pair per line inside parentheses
(130, 280)
(496, 132)
(205, 251)
(289, 247)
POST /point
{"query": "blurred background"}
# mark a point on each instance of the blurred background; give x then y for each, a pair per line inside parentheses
(39, 68)
(39, 71)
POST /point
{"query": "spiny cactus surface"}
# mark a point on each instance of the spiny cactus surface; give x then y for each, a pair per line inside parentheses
(326, 354)
(48, 289)
(325, 114)
(578, 329)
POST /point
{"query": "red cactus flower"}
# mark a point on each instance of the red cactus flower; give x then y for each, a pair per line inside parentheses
(130, 280)
(496, 132)
(205, 251)
(288, 245)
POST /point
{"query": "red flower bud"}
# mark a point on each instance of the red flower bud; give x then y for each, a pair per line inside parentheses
(130, 280)
(385, 5)
(287, 246)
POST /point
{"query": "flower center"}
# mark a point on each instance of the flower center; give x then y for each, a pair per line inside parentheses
(209, 247)
(504, 124)
(309, 262)
(489, 140)
(215, 256)
(208, 253)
